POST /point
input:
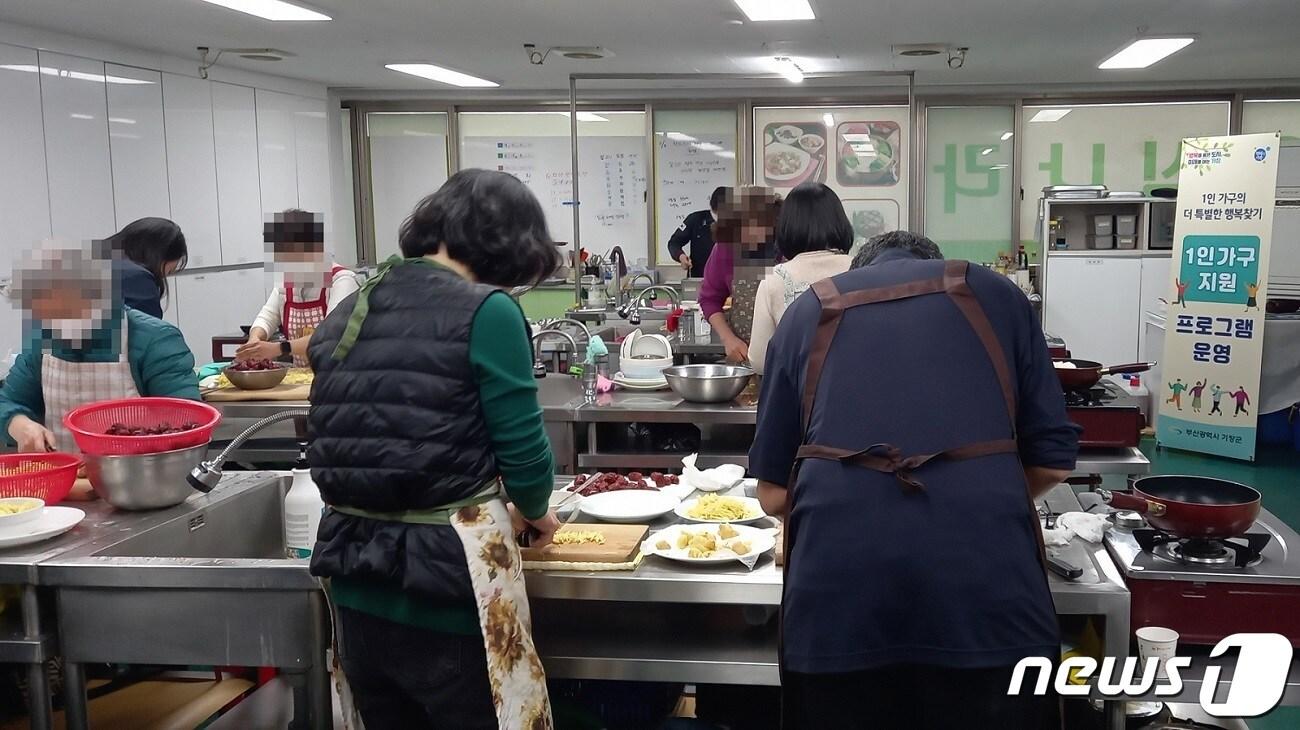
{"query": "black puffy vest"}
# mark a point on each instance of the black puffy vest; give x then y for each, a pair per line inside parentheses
(396, 425)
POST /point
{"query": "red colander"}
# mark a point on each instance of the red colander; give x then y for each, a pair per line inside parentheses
(89, 424)
(43, 476)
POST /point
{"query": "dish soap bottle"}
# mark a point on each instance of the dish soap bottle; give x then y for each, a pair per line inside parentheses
(302, 510)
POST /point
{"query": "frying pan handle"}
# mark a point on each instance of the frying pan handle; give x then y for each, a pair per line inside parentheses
(1128, 501)
(1135, 367)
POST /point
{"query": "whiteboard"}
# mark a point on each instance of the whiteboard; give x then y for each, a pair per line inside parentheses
(688, 169)
(612, 184)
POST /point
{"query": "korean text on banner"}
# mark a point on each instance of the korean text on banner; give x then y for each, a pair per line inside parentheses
(1215, 340)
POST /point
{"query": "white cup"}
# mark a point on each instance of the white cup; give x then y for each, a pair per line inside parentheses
(1159, 643)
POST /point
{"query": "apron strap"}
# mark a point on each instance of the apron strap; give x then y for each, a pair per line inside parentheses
(961, 295)
(889, 459)
(362, 308)
(433, 516)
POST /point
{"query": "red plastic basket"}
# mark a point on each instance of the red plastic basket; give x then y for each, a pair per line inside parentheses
(89, 423)
(51, 484)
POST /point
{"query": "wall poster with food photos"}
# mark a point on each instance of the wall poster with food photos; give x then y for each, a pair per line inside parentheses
(859, 152)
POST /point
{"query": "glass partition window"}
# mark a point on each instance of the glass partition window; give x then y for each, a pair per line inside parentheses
(1127, 147)
(1273, 115)
(695, 152)
(534, 146)
(968, 180)
(408, 160)
(860, 152)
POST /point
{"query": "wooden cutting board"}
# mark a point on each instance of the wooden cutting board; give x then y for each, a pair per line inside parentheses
(621, 545)
(278, 393)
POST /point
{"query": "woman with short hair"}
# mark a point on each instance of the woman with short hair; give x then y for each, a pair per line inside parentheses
(425, 421)
(813, 235)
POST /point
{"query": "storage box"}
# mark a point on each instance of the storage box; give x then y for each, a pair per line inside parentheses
(1103, 225)
(1126, 241)
(1101, 242)
(1126, 225)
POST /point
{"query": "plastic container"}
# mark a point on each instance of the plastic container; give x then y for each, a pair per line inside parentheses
(50, 485)
(1126, 242)
(1126, 225)
(89, 423)
(1100, 242)
(1103, 225)
(302, 511)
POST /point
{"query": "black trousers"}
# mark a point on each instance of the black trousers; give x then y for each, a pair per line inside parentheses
(406, 677)
(915, 697)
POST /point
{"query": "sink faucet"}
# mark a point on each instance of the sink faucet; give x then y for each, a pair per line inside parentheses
(205, 476)
(632, 310)
(539, 368)
(625, 294)
(554, 325)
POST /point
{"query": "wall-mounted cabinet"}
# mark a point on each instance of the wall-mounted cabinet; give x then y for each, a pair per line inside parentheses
(80, 177)
(192, 166)
(277, 150)
(311, 155)
(216, 303)
(239, 196)
(137, 144)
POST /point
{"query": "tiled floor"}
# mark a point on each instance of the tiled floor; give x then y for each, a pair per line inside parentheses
(1276, 474)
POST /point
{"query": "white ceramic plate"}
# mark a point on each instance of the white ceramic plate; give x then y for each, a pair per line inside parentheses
(629, 506)
(773, 151)
(54, 521)
(760, 541)
(751, 507)
(639, 384)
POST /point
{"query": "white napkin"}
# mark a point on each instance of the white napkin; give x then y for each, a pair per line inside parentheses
(716, 479)
(1090, 527)
(1056, 536)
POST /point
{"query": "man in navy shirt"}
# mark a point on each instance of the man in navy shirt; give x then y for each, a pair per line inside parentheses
(696, 233)
(918, 399)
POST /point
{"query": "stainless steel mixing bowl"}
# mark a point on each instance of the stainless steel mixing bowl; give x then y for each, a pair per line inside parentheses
(708, 383)
(256, 379)
(144, 481)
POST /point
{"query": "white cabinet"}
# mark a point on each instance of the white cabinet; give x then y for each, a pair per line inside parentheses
(239, 197)
(24, 197)
(1092, 302)
(217, 303)
(80, 177)
(192, 166)
(277, 151)
(312, 151)
(1155, 286)
(137, 143)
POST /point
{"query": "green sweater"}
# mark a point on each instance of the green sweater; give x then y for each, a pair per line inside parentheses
(161, 364)
(501, 355)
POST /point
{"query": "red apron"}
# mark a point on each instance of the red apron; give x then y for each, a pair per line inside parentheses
(885, 457)
(300, 318)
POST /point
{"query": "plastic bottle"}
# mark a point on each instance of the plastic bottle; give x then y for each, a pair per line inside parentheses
(302, 511)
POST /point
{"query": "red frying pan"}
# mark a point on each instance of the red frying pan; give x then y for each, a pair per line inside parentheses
(1191, 506)
(1086, 373)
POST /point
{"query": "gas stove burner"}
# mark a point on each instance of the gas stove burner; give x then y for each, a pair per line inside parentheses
(1239, 552)
(1091, 398)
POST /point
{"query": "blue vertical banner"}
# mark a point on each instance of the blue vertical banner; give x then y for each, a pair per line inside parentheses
(1214, 339)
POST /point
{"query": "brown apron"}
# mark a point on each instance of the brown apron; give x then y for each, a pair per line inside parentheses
(885, 457)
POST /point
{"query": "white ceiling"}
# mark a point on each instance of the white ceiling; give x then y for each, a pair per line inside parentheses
(1013, 42)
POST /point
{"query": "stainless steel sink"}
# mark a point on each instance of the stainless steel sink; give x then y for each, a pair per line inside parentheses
(203, 583)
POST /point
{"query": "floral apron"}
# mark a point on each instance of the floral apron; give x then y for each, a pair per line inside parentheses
(67, 385)
(497, 574)
(301, 317)
(744, 294)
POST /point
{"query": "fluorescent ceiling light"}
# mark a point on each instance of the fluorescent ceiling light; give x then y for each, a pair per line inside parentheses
(441, 75)
(863, 147)
(680, 137)
(81, 116)
(856, 137)
(986, 151)
(788, 68)
(1145, 51)
(709, 147)
(730, 155)
(66, 74)
(271, 9)
(121, 120)
(1049, 115)
(828, 119)
(590, 117)
(1007, 135)
(762, 10)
